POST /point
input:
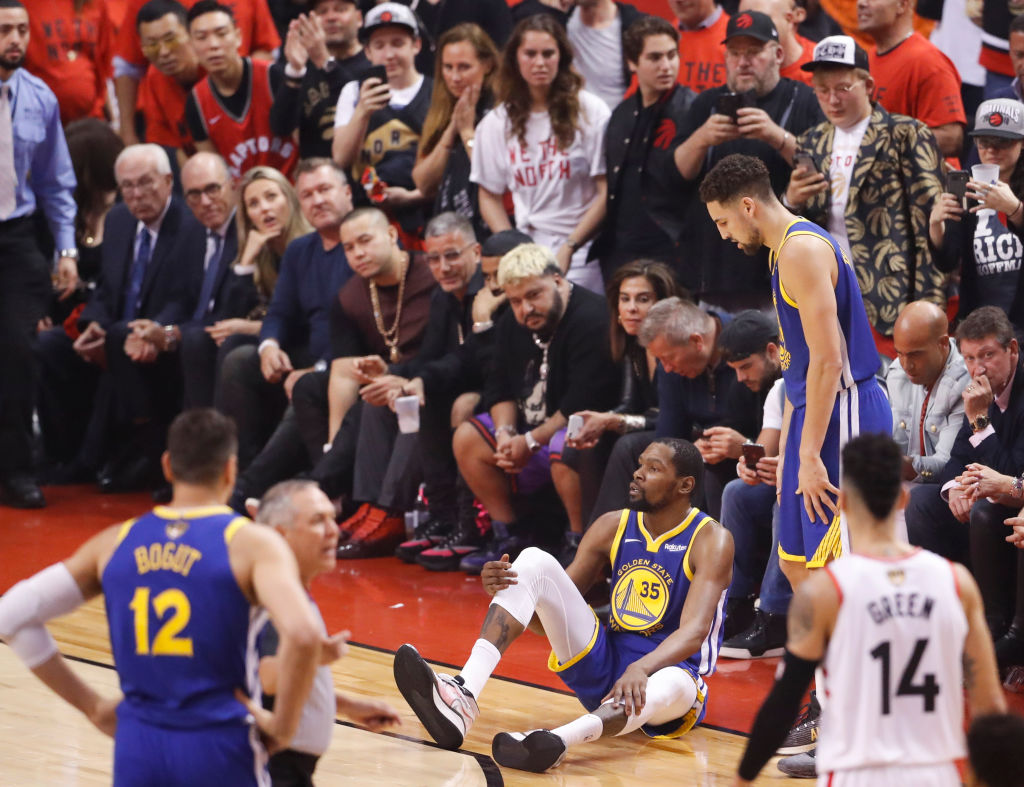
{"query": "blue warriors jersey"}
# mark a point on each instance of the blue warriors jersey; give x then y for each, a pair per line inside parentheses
(860, 359)
(650, 579)
(182, 632)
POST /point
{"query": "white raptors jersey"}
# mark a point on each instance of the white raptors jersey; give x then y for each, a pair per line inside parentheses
(893, 688)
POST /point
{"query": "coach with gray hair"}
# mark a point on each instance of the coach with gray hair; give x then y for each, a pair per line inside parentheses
(696, 390)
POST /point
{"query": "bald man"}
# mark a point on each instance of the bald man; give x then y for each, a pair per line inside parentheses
(925, 389)
(796, 50)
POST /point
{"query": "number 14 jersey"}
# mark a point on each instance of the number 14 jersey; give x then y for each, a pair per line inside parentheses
(893, 674)
(182, 632)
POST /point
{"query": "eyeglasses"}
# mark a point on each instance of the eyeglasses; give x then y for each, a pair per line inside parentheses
(211, 190)
(750, 52)
(152, 49)
(995, 143)
(145, 183)
(841, 91)
(451, 256)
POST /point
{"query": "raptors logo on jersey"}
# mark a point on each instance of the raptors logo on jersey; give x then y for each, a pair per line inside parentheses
(246, 141)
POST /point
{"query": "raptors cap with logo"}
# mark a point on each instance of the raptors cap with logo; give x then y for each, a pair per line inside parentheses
(999, 117)
(751, 24)
(388, 14)
(837, 51)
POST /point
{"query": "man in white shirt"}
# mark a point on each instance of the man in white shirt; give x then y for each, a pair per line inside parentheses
(595, 29)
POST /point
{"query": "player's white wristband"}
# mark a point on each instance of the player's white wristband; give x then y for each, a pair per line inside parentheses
(25, 608)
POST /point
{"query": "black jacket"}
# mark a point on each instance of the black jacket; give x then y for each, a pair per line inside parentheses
(173, 275)
(582, 374)
(665, 193)
(1002, 451)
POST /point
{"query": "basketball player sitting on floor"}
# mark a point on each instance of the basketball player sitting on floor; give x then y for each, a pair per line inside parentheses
(897, 630)
(671, 567)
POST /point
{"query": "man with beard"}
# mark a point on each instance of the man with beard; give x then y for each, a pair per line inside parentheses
(646, 668)
(826, 352)
(551, 359)
(322, 54)
(27, 104)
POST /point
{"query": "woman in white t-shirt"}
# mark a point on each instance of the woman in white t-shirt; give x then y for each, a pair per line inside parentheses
(544, 144)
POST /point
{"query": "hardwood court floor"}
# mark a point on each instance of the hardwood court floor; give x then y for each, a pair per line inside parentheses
(383, 603)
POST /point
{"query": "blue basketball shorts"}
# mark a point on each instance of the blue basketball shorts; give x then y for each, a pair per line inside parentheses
(860, 409)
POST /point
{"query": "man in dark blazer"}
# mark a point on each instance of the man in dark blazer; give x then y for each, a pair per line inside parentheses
(149, 275)
(947, 517)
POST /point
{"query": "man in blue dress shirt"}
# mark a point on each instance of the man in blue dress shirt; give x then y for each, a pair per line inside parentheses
(35, 172)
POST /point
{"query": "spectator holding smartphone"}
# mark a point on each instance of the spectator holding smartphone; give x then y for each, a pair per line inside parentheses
(868, 163)
(984, 241)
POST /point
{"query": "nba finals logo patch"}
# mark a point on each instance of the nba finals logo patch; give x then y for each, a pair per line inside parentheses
(176, 529)
(640, 598)
(897, 576)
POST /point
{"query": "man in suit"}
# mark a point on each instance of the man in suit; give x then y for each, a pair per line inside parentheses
(149, 276)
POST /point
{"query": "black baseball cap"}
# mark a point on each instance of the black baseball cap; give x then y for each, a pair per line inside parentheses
(746, 334)
(837, 51)
(752, 24)
(501, 243)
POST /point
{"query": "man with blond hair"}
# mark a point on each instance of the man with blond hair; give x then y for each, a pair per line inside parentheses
(554, 361)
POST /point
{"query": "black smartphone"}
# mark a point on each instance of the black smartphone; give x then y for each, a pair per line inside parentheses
(751, 453)
(956, 183)
(802, 159)
(729, 104)
(380, 72)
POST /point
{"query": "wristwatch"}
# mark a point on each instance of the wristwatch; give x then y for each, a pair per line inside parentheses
(71, 254)
(531, 442)
(979, 423)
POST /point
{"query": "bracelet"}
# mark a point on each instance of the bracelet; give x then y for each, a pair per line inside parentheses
(785, 139)
(483, 325)
(1020, 204)
(506, 429)
(630, 423)
(532, 443)
(1018, 487)
(171, 341)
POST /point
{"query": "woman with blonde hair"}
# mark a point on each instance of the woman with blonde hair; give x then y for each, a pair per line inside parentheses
(467, 62)
(544, 143)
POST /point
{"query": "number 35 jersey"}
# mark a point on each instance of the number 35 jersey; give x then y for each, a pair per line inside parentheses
(893, 673)
(650, 580)
(182, 632)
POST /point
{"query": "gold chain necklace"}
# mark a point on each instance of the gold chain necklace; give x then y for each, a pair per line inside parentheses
(390, 335)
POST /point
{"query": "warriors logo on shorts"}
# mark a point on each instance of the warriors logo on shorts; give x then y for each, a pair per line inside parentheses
(639, 599)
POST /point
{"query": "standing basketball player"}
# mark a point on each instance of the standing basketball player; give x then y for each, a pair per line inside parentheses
(181, 585)
(897, 630)
(671, 568)
(826, 350)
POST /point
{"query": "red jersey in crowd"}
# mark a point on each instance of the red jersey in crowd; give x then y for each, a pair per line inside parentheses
(793, 70)
(914, 78)
(71, 52)
(246, 141)
(702, 54)
(162, 103)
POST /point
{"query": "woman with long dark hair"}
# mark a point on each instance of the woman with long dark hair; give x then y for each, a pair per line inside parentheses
(544, 143)
(467, 62)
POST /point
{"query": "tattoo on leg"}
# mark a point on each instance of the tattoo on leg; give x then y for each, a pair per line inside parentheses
(499, 619)
(800, 618)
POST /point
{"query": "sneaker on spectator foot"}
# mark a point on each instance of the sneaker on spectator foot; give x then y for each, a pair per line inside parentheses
(441, 702)
(803, 736)
(502, 543)
(470, 532)
(377, 536)
(799, 766)
(429, 533)
(536, 751)
(349, 526)
(765, 638)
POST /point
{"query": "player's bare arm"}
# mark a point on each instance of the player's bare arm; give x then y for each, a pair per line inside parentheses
(710, 557)
(981, 676)
(586, 570)
(807, 270)
(55, 591)
(268, 574)
(810, 620)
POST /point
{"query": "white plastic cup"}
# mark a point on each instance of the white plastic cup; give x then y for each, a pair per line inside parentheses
(407, 408)
(986, 173)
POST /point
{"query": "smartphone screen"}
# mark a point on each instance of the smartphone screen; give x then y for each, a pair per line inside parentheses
(956, 183)
(752, 452)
